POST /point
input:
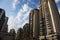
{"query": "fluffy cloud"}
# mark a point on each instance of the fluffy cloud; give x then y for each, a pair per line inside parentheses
(11, 22)
(57, 1)
(19, 20)
(25, 7)
(14, 3)
(26, 15)
(19, 14)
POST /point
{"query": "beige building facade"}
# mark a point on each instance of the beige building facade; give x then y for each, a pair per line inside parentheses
(45, 25)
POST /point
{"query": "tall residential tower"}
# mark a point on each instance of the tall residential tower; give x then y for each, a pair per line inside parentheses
(44, 22)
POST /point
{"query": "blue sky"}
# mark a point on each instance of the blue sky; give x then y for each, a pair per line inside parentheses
(18, 11)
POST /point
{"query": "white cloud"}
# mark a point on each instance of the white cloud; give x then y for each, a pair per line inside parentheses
(16, 20)
(11, 22)
(14, 3)
(26, 15)
(25, 7)
(57, 1)
(19, 14)
(27, 10)
(23, 12)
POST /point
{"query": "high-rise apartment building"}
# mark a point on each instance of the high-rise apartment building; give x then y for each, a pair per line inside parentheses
(34, 23)
(50, 20)
(46, 27)
(44, 22)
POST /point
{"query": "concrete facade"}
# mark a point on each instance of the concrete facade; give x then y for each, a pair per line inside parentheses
(51, 22)
(34, 23)
(46, 23)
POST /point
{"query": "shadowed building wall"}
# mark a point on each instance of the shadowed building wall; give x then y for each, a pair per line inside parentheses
(34, 23)
(4, 34)
(26, 31)
(19, 35)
